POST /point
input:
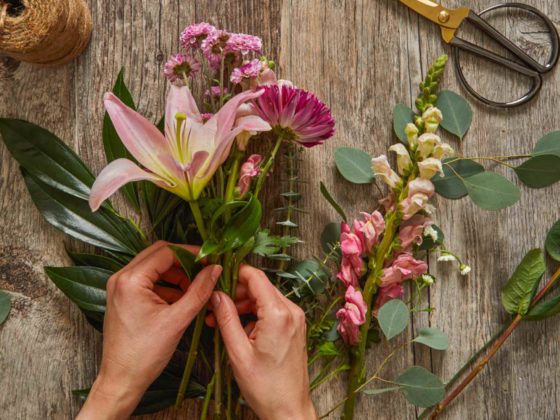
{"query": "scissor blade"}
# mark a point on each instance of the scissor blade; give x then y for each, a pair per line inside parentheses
(446, 18)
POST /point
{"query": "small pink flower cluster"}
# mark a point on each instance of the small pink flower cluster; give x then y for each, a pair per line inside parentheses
(249, 170)
(354, 246)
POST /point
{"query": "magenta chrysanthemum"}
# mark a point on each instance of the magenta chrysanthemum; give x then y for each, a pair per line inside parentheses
(295, 114)
(248, 70)
(180, 66)
(244, 44)
(194, 34)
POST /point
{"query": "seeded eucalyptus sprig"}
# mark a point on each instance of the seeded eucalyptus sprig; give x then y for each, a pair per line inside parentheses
(429, 87)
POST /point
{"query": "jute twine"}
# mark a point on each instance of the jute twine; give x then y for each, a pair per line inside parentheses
(46, 32)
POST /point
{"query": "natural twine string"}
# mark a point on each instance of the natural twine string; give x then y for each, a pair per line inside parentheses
(46, 32)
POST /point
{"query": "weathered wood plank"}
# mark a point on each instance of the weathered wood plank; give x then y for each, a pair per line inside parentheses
(362, 58)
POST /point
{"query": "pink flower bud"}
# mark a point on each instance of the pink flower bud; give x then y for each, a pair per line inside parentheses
(249, 170)
(351, 316)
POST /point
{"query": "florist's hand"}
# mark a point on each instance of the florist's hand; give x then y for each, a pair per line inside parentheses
(141, 330)
(269, 357)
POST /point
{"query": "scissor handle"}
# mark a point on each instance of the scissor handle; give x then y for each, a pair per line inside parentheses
(531, 69)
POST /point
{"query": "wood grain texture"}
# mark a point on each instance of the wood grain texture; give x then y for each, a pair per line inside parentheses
(362, 57)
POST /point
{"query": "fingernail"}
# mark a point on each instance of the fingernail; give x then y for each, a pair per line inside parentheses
(216, 272)
(216, 299)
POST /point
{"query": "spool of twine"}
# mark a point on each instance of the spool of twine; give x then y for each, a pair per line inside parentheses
(45, 32)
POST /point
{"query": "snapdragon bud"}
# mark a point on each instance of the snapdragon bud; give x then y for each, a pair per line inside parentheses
(432, 118)
(411, 132)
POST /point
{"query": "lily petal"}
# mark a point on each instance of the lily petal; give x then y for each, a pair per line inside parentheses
(116, 174)
(180, 99)
(142, 139)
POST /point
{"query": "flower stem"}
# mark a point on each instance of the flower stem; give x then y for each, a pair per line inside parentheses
(268, 165)
(193, 352)
(217, 374)
(502, 338)
(199, 323)
(207, 396)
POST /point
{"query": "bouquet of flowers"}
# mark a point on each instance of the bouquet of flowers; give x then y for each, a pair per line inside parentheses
(191, 174)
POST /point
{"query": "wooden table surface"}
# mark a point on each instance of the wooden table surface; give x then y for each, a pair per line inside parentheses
(362, 57)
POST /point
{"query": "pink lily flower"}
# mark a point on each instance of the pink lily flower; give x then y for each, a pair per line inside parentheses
(184, 159)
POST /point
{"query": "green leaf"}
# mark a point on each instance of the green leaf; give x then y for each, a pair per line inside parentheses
(433, 338)
(243, 225)
(393, 318)
(552, 243)
(539, 171)
(188, 261)
(333, 202)
(210, 247)
(354, 165)
(95, 260)
(114, 147)
(450, 186)
(310, 277)
(267, 244)
(543, 310)
(421, 387)
(491, 191)
(522, 286)
(73, 216)
(330, 236)
(402, 115)
(46, 157)
(457, 113)
(85, 286)
(5, 306)
(548, 145)
(380, 390)
(328, 348)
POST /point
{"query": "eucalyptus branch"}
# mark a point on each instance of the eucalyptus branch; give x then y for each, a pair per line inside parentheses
(268, 164)
(502, 338)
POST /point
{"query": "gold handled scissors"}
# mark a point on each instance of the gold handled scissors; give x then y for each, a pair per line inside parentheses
(450, 20)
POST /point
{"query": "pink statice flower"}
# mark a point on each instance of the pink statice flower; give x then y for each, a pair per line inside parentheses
(249, 170)
(193, 35)
(249, 70)
(387, 293)
(215, 91)
(214, 48)
(243, 44)
(410, 232)
(351, 316)
(369, 229)
(295, 114)
(179, 67)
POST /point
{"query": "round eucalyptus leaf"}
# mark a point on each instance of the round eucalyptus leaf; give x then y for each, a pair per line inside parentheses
(450, 186)
(552, 243)
(491, 191)
(402, 115)
(457, 113)
(539, 171)
(421, 387)
(548, 145)
(354, 165)
(433, 338)
(393, 318)
(5, 306)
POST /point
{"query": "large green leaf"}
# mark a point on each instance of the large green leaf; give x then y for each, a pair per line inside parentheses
(188, 261)
(85, 286)
(73, 216)
(432, 337)
(333, 202)
(544, 310)
(95, 260)
(114, 147)
(552, 242)
(451, 186)
(548, 145)
(393, 318)
(522, 286)
(421, 387)
(539, 171)
(46, 157)
(354, 165)
(5, 306)
(457, 113)
(402, 115)
(491, 191)
(330, 236)
(243, 225)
